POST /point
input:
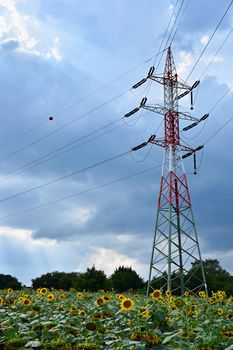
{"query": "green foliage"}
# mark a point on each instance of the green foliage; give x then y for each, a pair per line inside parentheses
(58, 280)
(76, 321)
(92, 280)
(124, 278)
(8, 281)
(216, 277)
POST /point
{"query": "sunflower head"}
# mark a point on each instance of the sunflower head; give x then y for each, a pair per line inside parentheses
(106, 298)
(50, 297)
(36, 308)
(82, 313)
(43, 291)
(156, 294)
(97, 316)
(179, 302)
(91, 326)
(79, 295)
(99, 301)
(26, 302)
(127, 304)
(201, 293)
(220, 312)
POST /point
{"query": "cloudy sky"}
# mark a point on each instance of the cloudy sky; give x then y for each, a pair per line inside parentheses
(77, 60)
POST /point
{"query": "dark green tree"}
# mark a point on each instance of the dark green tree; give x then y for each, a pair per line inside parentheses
(58, 280)
(8, 281)
(92, 280)
(124, 278)
(216, 277)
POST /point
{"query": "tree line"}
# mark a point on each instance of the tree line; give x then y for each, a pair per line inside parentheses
(122, 279)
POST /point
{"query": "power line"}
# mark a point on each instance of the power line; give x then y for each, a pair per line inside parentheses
(220, 47)
(211, 61)
(108, 84)
(217, 131)
(210, 111)
(43, 159)
(64, 177)
(64, 126)
(166, 31)
(57, 130)
(35, 127)
(79, 101)
(79, 117)
(87, 168)
(208, 42)
(27, 166)
(221, 98)
(80, 193)
(167, 41)
(185, 9)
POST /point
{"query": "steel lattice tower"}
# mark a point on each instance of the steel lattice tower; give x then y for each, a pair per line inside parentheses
(175, 244)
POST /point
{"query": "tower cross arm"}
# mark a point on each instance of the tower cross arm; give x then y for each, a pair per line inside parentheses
(186, 116)
(162, 143)
(183, 86)
(163, 110)
(157, 78)
(162, 80)
(155, 108)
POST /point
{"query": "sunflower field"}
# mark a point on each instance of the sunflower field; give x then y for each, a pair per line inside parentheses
(55, 319)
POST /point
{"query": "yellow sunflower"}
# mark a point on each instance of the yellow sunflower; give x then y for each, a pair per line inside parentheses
(61, 308)
(26, 302)
(220, 312)
(43, 291)
(36, 308)
(97, 316)
(120, 296)
(99, 301)
(179, 302)
(50, 297)
(82, 313)
(106, 298)
(127, 304)
(135, 336)
(156, 294)
(79, 295)
(146, 314)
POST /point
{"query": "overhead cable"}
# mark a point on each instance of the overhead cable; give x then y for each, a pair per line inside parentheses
(208, 42)
(79, 193)
(64, 177)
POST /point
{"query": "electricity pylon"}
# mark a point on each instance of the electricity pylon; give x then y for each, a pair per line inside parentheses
(175, 246)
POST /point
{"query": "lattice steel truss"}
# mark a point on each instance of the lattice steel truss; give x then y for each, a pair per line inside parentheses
(175, 246)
